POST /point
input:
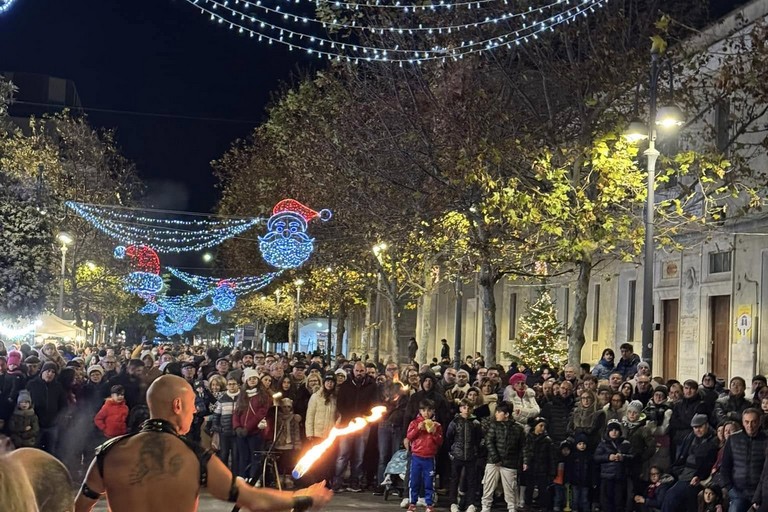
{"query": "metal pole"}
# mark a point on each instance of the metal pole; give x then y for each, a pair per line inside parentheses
(457, 326)
(652, 155)
(330, 329)
(377, 330)
(60, 309)
(298, 315)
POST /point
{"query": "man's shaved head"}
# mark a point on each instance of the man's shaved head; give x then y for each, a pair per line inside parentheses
(171, 398)
(50, 480)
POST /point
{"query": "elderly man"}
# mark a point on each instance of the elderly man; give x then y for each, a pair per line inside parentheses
(159, 455)
(743, 458)
(692, 465)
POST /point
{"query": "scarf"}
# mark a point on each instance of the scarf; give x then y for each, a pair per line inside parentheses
(233, 396)
(252, 392)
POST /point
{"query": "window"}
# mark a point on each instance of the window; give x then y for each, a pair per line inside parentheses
(596, 314)
(512, 316)
(719, 262)
(631, 303)
(723, 125)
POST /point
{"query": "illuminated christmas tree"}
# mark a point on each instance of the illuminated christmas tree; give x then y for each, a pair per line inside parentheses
(541, 337)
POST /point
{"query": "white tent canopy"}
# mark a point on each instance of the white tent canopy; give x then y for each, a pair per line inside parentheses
(54, 327)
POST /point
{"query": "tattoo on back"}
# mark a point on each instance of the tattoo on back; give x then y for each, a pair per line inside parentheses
(152, 463)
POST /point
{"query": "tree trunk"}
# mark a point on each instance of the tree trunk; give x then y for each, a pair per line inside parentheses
(425, 308)
(341, 327)
(487, 280)
(576, 337)
(366, 337)
(394, 327)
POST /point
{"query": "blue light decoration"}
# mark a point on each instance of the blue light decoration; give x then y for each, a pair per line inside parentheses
(286, 244)
(294, 27)
(5, 5)
(164, 235)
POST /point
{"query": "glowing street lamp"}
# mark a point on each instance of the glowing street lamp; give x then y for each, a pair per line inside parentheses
(299, 283)
(665, 118)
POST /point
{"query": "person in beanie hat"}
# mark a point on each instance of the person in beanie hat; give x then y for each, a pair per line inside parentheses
(522, 399)
(111, 419)
(23, 426)
(33, 366)
(613, 454)
(642, 445)
(14, 359)
(580, 474)
(658, 412)
(539, 463)
(50, 398)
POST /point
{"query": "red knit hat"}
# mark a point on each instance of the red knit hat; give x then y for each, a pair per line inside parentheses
(518, 377)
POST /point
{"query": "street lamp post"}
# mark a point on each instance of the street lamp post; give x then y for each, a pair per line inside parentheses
(65, 239)
(665, 117)
(298, 283)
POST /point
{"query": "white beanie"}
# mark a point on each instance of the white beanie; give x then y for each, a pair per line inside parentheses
(248, 373)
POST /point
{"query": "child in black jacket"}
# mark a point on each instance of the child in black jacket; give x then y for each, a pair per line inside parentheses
(613, 455)
(580, 474)
(539, 464)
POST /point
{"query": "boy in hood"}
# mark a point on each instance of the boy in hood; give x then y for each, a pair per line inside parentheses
(23, 425)
(613, 455)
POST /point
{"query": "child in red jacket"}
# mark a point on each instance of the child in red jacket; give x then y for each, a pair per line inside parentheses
(111, 419)
(425, 437)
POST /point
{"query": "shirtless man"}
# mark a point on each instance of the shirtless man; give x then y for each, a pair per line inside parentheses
(157, 471)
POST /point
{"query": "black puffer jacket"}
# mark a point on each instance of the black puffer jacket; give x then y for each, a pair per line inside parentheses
(505, 443)
(743, 459)
(613, 470)
(558, 414)
(539, 456)
(463, 438)
(682, 414)
(442, 409)
(49, 399)
(730, 408)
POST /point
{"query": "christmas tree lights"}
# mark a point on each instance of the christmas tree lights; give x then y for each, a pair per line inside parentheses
(541, 339)
(224, 13)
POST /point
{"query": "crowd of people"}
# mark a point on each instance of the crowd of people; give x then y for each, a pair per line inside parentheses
(610, 437)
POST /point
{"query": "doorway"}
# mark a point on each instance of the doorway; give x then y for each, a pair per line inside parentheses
(670, 321)
(720, 311)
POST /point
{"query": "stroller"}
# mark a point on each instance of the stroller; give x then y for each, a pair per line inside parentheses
(394, 475)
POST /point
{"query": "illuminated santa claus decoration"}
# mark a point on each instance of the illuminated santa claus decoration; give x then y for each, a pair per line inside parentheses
(286, 244)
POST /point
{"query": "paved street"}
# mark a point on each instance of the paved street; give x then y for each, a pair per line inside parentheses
(341, 503)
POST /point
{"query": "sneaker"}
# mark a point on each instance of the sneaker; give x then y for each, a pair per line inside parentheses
(355, 488)
(379, 491)
(471, 508)
(421, 502)
(337, 489)
(454, 507)
(404, 503)
(411, 507)
(258, 483)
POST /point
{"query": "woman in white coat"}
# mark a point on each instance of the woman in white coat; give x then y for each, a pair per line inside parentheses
(523, 400)
(321, 418)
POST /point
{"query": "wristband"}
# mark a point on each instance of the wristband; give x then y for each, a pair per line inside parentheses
(301, 503)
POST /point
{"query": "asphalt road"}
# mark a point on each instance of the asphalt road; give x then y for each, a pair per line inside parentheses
(346, 502)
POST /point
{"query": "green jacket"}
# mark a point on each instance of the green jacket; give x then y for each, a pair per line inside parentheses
(17, 427)
(505, 441)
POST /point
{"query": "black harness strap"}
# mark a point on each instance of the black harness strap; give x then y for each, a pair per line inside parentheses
(163, 427)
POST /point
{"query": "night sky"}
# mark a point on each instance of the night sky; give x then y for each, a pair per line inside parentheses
(152, 56)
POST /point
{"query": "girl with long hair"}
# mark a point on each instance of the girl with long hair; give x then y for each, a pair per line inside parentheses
(250, 423)
(321, 417)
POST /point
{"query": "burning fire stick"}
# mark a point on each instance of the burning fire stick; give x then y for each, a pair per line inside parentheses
(317, 451)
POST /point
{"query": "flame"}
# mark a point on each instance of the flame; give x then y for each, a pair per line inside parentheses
(317, 451)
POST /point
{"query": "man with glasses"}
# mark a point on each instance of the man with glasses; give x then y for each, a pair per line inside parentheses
(110, 367)
(693, 464)
(448, 380)
(643, 390)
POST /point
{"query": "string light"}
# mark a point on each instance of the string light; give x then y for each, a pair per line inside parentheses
(242, 285)
(324, 48)
(5, 5)
(447, 29)
(161, 234)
